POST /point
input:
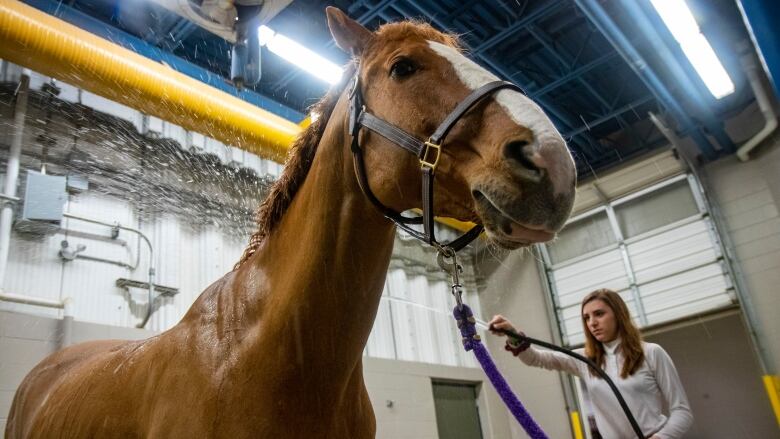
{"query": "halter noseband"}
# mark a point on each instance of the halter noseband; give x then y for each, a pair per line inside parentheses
(428, 152)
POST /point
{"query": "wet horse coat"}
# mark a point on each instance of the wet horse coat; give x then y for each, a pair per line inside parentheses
(274, 348)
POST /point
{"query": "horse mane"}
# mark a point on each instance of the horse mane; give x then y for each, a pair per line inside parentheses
(301, 154)
(296, 167)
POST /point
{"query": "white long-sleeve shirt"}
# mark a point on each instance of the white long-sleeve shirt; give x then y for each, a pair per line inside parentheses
(652, 387)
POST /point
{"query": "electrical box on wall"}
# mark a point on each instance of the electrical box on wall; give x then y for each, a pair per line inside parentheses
(42, 203)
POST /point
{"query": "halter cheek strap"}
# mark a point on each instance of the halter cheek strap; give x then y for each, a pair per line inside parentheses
(428, 153)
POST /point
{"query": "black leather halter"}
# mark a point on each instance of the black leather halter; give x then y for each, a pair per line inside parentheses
(428, 153)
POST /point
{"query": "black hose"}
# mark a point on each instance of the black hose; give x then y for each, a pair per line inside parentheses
(589, 362)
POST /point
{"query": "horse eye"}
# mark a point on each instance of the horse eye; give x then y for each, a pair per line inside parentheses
(403, 68)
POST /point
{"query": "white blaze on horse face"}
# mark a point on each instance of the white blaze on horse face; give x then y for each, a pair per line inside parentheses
(522, 110)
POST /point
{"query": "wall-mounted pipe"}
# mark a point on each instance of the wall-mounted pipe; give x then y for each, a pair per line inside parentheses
(34, 39)
(30, 300)
(66, 305)
(12, 173)
(150, 309)
(764, 104)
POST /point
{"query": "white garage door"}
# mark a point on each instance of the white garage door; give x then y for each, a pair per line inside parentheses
(657, 247)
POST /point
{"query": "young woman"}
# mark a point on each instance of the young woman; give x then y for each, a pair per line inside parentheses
(643, 372)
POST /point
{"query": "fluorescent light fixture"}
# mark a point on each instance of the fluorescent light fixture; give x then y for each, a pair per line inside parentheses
(265, 34)
(683, 26)
(299, 55)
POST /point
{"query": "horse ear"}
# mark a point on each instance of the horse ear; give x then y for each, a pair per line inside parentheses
(349, 35)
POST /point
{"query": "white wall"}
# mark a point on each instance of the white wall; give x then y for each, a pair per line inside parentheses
(727, 399)
(748, 197)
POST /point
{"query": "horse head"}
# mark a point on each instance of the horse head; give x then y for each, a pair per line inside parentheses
(503, 164)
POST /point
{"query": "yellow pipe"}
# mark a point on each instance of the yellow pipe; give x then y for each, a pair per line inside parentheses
(55, 48)
(305, 122)
(772, 383)
(48, 45)
(452, 222)
(455, 224)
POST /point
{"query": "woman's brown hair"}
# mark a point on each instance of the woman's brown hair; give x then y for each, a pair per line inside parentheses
(631, 339)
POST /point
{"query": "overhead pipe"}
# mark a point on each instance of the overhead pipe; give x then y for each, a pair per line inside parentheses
(36, 40)
(764, 104)
(149, 50)
(599, 17)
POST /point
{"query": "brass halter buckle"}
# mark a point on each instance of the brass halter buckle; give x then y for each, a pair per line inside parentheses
(424, 161)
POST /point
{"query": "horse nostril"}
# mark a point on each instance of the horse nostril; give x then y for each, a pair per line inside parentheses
(520, 151)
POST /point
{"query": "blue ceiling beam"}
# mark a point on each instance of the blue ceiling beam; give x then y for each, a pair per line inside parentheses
(568, 60)
(124, 39)
(565, 61)
(574, 74)
(599, 17)
(611, 115)
(464, 6)
(544, 10)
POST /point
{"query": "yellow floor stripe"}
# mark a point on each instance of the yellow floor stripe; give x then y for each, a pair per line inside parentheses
(576, 425)
(772, 384)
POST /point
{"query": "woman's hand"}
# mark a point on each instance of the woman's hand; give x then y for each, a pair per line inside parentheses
(499, 323)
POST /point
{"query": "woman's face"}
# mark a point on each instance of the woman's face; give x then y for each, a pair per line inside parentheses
(600, 320)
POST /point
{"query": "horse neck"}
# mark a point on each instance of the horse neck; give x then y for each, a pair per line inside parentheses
(323, 266)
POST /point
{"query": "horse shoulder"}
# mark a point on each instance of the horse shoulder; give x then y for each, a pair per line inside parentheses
(37, 392)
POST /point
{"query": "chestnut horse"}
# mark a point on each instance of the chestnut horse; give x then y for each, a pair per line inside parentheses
(274, 348)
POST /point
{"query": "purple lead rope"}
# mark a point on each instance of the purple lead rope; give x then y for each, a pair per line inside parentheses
(471, 341)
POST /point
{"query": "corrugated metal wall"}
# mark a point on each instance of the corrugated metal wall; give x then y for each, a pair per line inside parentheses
(414, 321)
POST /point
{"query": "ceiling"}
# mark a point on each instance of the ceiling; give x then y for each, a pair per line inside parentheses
(597, 78)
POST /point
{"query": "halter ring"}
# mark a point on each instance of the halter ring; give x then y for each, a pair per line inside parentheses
(427, 147)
